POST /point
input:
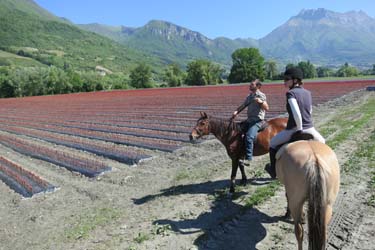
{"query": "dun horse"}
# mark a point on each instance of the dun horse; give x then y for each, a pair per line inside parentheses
(230, 134)
(310, 171)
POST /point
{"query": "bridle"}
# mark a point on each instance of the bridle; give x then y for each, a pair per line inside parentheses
(200, 132)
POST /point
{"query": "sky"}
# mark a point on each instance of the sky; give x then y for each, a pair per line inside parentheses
(212, 18)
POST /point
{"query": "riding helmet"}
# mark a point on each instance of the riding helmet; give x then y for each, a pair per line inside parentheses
(294, 73)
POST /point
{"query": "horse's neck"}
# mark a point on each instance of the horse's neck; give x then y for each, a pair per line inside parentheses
(220, 129)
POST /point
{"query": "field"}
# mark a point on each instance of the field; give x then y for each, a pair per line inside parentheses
(115, 170)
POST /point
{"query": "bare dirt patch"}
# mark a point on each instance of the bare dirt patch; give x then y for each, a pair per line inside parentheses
(180, 201)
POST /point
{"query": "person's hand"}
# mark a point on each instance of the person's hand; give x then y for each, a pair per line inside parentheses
(235, 113)
(258, 100)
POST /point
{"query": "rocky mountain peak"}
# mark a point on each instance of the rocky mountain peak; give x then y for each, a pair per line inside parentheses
(171, 31)
(327, 16)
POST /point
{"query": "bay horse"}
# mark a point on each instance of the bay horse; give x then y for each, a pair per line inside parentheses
(310, 172)
(230, 135)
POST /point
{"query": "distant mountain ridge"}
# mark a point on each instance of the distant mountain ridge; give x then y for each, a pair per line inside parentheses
(173, 43)
(324, 37)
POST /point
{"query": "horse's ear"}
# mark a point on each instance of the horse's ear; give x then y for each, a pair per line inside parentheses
(203, 114)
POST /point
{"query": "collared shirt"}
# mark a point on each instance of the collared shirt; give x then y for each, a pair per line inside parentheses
(254, 110)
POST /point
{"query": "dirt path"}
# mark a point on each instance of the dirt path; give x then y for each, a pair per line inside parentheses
(180, 201)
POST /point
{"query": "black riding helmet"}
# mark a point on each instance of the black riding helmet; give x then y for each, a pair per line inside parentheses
(293, 73)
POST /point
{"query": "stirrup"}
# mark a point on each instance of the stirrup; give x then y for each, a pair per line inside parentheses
(245, 162)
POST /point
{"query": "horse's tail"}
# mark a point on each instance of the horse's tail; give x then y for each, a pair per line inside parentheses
(316, 204)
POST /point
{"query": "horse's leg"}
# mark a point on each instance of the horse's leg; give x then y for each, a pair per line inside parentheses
(298, 231)
(244, 178)
(327, 218)
(296, 209)
(287, 214)
(233, 175)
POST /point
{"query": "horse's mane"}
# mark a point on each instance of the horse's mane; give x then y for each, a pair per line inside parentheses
(224, 125)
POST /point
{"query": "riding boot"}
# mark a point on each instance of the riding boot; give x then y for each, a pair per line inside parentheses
(271, 167)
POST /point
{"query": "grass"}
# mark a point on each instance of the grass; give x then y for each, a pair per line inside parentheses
(349, 123)
(261, 194)
(89, 221)
(141, 237)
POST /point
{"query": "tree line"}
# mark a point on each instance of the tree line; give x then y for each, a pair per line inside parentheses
(248, 64)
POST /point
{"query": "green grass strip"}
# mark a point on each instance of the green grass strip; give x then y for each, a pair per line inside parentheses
(261, 194)
(348, 123)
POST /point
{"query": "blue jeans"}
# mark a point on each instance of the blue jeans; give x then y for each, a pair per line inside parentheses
(251, 135)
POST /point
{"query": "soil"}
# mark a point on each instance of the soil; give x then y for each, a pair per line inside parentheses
(180, 200)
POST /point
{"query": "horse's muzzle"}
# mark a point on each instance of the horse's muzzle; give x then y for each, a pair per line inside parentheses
(192, 138)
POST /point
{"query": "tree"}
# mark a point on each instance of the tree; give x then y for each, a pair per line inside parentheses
(7, 89)
(203, 72)
(347, 71)
(173, 75)
(248, 64)
(140, 76)
(324, 72)
(270, 68)
(308, 69)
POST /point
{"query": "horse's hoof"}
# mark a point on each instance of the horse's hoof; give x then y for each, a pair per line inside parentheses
(287, 215)
(243, 182)
(231, 190)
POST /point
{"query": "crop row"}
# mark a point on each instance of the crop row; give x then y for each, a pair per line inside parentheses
(21, 180)
(106, 150)
(85, 166)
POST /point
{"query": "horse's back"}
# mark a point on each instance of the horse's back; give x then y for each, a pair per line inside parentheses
(295, 159)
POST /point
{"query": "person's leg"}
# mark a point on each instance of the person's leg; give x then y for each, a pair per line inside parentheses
(278, 140)
(317, 136)
(251, 135)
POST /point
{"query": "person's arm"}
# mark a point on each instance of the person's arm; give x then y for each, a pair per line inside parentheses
(296, 112)
(263, 104)
(240, 108)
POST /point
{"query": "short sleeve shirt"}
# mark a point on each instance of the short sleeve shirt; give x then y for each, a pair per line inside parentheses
(254, 111)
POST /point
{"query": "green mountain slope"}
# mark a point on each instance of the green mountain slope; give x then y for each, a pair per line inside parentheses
(173, 43)
(324, 37)
(31, 31)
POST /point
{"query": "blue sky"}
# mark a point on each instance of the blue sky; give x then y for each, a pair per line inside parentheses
(212, 18)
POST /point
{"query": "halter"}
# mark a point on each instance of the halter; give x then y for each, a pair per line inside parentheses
(199, 132)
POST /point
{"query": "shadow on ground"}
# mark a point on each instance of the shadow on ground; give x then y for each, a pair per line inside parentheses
(226, 226)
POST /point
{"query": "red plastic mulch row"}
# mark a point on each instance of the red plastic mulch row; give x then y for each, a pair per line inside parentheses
(21, 180)
(85, 166)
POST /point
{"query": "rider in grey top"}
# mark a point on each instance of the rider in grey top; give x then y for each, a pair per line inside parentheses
(299, 107)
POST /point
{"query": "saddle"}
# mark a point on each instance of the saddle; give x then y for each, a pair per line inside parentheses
(300, 136)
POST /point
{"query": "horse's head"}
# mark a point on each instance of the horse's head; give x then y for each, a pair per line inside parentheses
(201, 128)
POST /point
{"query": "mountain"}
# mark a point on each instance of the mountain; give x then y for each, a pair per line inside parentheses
(323, 37)
(173, 43)
(28, 30)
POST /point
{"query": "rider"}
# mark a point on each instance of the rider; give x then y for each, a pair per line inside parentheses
(256, 108)
(299, 107)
